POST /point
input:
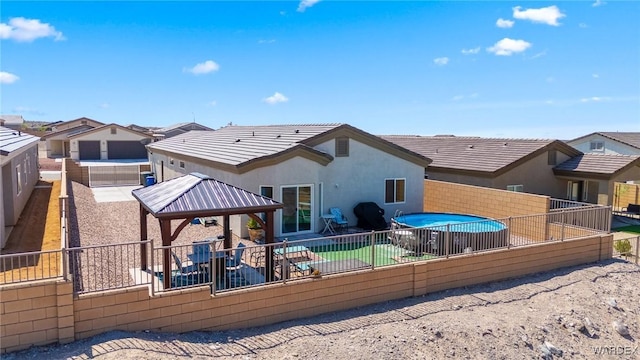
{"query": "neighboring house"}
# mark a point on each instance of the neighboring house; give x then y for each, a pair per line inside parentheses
(138, 128)
(19, 163)
(509, 164)
(309, 168)
(59, 126)
(108, 142)
(591, 177)
(57, 145)
(620, 143)
(14, 122)
(177, 129)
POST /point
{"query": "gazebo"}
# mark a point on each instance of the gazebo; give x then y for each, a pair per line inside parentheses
(196, 195)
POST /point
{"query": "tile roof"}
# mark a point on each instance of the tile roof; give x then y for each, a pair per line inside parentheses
(12, 140)
(235, 145)
(629, 138)
(200, 195)
(606, 164)
(475, 153)
(180, 125)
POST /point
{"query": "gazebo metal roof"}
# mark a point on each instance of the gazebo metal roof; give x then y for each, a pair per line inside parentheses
(197, 195)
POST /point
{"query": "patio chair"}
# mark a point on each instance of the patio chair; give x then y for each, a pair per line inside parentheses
(186, 274)
(339, 220)
(233, 263)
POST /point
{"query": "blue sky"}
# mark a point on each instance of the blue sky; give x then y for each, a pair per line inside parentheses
(499, 69)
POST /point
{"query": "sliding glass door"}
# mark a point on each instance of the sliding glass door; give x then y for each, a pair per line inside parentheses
(297, 211)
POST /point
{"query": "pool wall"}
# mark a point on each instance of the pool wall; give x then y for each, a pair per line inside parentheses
(478, 235)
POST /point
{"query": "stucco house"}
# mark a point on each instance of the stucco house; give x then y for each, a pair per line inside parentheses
(56, 141)
(592, 177)
(620, 143)
(177, 129)
(19, 163)
(14, 122)
(108, 142)
(309, 168)
(509, 164)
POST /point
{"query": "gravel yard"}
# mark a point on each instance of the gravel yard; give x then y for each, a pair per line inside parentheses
(105, 223)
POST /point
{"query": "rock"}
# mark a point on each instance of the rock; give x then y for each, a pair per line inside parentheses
(613, 303)
(621, 328)
(554, 350)
(545, 351)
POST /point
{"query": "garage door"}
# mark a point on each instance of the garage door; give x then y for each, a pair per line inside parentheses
(126, 150)
(89, 150)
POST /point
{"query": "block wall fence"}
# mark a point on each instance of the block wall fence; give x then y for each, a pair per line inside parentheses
(46, 312)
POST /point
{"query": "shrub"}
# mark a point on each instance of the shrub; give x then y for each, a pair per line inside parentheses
(622, 246)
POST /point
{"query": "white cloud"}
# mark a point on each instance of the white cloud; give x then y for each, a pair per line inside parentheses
(27, 110)
(104, 105)
(266, 41)
(8, 78)
(548, 15)
(508, 47)
(540, 54)
(203, 68)
(275, 98)
(304, 4)
(212, 103)
(595, 76)
(550, 79)
(502, 23)
(598, 3)
(441, 61)
(471, 51)
(27, 30)
(457, 97)
(583, 25)
(594, 99)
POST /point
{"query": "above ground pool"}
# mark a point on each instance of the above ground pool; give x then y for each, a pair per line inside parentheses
(427, 232)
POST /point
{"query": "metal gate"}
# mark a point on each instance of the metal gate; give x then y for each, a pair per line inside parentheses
(114, 175)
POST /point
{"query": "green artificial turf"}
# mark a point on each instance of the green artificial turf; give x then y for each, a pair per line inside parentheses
(384, 254)
(630, 229)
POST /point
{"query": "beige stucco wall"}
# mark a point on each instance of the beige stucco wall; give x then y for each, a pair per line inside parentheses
(345, 182)
(536, 175)
(13, 202)
(46, 312)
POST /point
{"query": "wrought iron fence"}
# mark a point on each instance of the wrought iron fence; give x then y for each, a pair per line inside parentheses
(37, 265)
(98, 268)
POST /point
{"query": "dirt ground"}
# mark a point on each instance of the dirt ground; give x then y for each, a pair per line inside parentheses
(569, 313)
(38, 229)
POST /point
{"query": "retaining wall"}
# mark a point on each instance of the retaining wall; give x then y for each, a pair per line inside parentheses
(47, 312)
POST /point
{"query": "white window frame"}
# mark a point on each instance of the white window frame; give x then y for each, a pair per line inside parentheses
(19, 178)
(395, 189)
(596, 147)
(515, 188)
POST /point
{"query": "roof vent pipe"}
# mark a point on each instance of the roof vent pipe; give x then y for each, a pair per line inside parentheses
(297, 131)
(237, 140)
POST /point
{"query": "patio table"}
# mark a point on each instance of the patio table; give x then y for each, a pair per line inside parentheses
(328, 224)
(205, 260)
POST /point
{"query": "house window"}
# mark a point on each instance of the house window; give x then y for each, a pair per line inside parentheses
(342, 147)
(83, 122)
(552, 157)
(516, 188)
(596, 145)
(394, 191)
(113, 131)
(266, 191)
(19, 178)
(182, 164)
